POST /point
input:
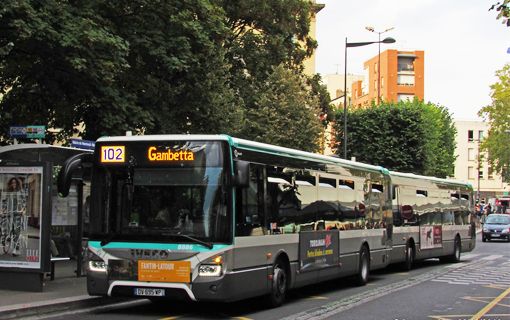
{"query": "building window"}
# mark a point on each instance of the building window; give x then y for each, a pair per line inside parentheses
(490, 173)
(480, 135)
(471, 154)
(405, 97)
(405, 80)
(471, 173)
(405, 64)
(470, 135)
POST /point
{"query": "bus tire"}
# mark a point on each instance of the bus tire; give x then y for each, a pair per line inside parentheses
(279, 284)
(410, 255)
(363, 267)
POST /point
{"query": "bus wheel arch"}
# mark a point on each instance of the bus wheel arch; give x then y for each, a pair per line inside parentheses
(280, 280)
(363, 265)
(455, 256)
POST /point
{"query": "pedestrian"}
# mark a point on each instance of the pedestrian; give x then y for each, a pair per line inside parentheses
(488, 208)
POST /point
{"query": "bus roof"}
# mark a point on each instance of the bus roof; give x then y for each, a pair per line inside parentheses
(250, 145)
(429, 178)
(288, 152)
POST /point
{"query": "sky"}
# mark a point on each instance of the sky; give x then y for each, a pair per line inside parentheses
(463, 41)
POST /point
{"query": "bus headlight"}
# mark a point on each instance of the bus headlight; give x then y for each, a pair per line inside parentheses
(209, 270)
(98, 266)
(211, 267)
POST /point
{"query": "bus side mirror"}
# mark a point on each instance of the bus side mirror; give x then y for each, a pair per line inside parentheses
(68, 169)
(241, 173)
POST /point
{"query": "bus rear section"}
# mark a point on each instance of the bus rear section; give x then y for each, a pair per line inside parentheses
(432, 219)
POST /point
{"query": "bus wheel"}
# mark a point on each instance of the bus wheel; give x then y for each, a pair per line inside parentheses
(364, 266)
(408, 264)
(279, 285)
(456, 250)
(455, 256)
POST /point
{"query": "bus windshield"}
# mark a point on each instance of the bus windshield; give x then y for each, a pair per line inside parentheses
(162, 203)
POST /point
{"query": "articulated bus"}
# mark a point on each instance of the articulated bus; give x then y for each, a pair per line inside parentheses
(431, 218)
(216, 218)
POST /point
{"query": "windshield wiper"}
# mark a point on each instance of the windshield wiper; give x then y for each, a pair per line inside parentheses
(108, 239)
(206, 244)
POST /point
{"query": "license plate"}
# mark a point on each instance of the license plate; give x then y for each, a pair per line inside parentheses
(149, 292)
(495, 235)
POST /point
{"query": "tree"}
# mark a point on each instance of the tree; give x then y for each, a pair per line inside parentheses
(498, 116)
(56, 60)
(407, 136)
(150, 67)
(503, 8)
(116, 66)
(286, 113)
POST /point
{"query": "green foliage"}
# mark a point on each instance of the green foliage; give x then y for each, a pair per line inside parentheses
(498, 116)
(407, 136)
(285, 114)
(503, 9)
(151, 67)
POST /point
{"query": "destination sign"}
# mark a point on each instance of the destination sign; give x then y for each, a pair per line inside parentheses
(153, 154)
(113, 154)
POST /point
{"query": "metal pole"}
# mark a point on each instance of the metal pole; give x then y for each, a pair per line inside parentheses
(79, 235)
(379, 71)
(345, 100)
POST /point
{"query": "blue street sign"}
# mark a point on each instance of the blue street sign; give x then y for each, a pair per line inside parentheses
(30, 132)
(18, 131)
(82, 144)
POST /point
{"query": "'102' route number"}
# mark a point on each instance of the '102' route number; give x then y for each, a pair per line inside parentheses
(113, 154)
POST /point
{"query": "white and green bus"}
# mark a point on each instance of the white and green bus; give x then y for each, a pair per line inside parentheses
(216, 218)
(432, 218)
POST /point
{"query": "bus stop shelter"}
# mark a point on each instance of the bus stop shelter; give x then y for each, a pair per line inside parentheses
(36, 224)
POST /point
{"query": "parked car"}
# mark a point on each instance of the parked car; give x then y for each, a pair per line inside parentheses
(496, 226)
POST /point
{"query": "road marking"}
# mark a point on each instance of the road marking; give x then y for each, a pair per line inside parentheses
(470, 255)
(242, 318)
(171, 318)
(491, 305)
(466, 316)
(492, 257)
(332, 309)
(317, 298)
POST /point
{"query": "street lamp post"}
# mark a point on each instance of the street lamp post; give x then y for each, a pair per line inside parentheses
(350, 45)
(371, 29)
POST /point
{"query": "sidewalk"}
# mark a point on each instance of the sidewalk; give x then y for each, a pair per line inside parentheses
(66, 292)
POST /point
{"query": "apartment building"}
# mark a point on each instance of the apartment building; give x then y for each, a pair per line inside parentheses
(471, 164)
(309, 64)
(400, 74)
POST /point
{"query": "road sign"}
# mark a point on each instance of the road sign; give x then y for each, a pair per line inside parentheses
(30, 132)
(36, 132)
(82, 144)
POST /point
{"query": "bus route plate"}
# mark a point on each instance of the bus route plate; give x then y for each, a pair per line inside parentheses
(164, 271)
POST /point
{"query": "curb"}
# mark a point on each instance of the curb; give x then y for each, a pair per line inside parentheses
(40, 308)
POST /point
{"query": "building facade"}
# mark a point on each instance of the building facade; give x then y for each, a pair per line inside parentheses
(393, 76)
(309, 64)
(471, 165)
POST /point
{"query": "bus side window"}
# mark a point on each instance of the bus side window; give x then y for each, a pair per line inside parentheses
(250, 205)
